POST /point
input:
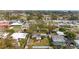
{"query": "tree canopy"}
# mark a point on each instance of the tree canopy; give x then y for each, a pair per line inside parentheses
(70, 35)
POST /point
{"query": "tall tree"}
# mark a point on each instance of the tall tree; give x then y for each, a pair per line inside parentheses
(70, 35)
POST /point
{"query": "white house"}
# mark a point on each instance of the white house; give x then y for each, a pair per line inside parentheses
(16, 23)
(18, 36)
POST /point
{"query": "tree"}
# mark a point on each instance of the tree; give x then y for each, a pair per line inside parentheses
(53, 16)
(73, 17)
(7, 15)
(8, 43)
(30, 17)
(11, 43)
(70, 35)
(2, 44)
(62, 29)
(39, 17)
(22, 43)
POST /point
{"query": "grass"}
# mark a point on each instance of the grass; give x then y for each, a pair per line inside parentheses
(43, 42)
(17, 28)
(22, 43)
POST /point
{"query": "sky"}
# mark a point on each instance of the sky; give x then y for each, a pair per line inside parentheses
(39, 4)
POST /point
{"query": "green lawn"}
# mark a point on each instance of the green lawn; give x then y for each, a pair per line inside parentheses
(17, 28)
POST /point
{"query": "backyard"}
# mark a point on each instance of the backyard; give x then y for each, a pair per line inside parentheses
(17, 28)
(43, 42)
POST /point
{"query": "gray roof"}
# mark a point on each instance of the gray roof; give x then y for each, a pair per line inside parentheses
(35, 35)
(76, 41)
(58, 38)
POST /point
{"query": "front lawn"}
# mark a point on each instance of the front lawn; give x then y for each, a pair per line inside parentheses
(22, 43)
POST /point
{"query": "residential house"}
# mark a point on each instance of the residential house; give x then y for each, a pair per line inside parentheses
(16, 24)
(36, 36)
(58, 40)
(44, 35)
(19, 36)
(77, 43)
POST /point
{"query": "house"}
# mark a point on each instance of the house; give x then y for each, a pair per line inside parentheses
(44, 35)
(62, 23)
(58, 40)
(77, 43)
(36, 36)
(16, 22)
(18, 36)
